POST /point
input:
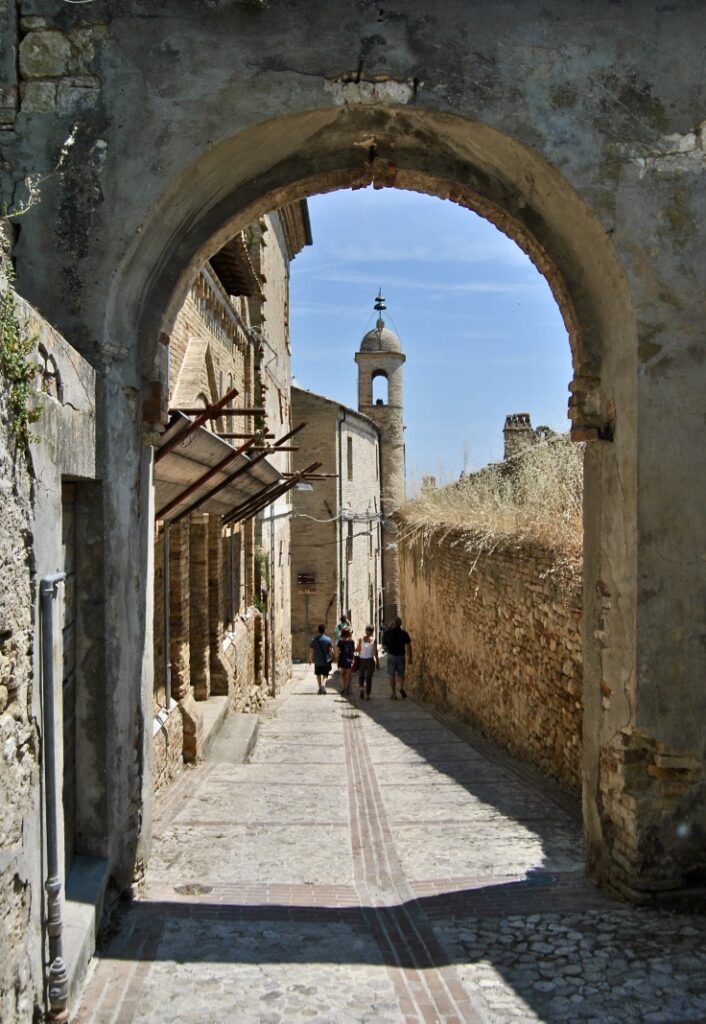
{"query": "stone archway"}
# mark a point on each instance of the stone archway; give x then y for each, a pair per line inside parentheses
(484, 171)
(580, 138)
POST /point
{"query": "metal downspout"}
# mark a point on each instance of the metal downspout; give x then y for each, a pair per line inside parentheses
(58, 979)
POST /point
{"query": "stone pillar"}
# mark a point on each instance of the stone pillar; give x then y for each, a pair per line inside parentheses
(179, 608)
(199, 602)
(217, 571)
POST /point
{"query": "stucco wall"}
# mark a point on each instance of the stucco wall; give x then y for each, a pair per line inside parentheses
(497, 640)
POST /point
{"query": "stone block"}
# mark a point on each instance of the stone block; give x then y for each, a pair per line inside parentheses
(82, 42)
(38, 97)
(76, 94)
(8, 105)
(32, 22)
(44, 53)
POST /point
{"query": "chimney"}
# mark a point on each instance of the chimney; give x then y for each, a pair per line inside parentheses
(518, 434)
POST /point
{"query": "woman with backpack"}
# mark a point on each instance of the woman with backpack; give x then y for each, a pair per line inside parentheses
(346, 653)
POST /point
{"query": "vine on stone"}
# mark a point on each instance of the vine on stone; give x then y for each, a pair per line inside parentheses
(18, 370)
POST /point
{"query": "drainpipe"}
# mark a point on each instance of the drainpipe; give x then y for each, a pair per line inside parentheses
(58, 979)
(167, 622)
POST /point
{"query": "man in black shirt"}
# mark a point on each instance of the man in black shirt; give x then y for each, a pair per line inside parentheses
(398, 644)
(321, 647)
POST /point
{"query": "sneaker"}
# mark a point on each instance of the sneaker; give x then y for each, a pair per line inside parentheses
(403, 692)
(362, 694)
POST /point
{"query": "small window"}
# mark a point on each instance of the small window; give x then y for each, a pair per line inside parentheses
(350, 458)
(306, 579)
(349, 543)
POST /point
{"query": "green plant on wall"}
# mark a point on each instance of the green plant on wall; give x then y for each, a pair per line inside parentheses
(19, 372)
(262, 568)
(262, 578)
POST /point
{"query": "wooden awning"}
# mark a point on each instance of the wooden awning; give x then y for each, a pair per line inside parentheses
(204, 473)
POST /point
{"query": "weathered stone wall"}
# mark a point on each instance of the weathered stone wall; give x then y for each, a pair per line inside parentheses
(20, 893)
(497, 639)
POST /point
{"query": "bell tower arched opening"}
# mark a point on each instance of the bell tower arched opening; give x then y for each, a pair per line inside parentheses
(381, 388)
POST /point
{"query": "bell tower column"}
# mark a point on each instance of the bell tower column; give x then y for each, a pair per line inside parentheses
(380, 355)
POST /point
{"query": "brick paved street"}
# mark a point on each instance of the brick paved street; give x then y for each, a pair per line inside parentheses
(373, 864)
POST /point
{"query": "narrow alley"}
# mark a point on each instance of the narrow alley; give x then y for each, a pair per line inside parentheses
(375, 862)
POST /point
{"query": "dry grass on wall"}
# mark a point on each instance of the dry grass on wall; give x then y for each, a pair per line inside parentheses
(490, 589)
(535, 497)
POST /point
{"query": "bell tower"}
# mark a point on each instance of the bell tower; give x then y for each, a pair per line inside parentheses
(380, 355)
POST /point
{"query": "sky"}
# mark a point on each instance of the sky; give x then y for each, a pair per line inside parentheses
(481, 331)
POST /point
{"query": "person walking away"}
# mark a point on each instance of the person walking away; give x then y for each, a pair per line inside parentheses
(321, 647)
(343, 623)
(368, 661)
(398, 644)
(346, 653)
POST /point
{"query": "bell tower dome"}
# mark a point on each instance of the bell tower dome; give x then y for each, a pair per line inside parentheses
(380, 355)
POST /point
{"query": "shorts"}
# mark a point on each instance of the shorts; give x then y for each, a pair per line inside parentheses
(322, 670)
(395, 664)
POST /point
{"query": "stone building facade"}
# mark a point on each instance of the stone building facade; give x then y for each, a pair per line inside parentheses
(336, 527)
(229, 627)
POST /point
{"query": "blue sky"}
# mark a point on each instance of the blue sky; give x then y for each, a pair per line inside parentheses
(482, 334)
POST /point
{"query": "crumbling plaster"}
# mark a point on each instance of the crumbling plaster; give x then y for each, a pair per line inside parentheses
(548, 118)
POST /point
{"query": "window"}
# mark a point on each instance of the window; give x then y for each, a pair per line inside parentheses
(350, 457)
(306, 579)
(349, 543)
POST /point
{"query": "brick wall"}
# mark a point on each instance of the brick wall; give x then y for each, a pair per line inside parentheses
(497, 640)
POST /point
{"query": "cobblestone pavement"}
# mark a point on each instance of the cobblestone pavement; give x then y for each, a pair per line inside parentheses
(376, 863)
